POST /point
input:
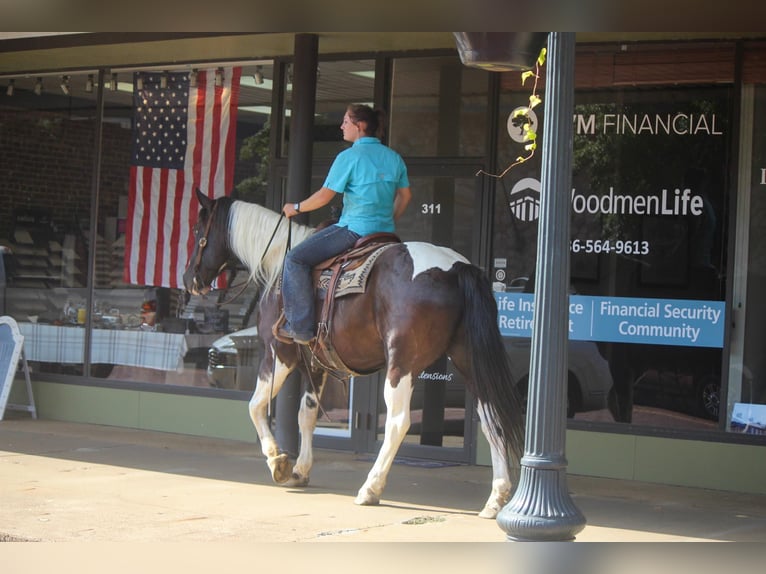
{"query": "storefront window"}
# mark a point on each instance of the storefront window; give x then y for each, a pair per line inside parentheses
(47, 143)
(339, 83)
(747, 384)
(438, 108)
(213, 126)
(141, 324)
(649, 197)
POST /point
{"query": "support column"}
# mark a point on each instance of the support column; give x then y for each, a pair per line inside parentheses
(541, 508)
(298, 188)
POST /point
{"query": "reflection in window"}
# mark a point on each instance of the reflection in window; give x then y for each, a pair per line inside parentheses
(442, 213)
(179, 334)
(749, 387)
(438, 108)
(338, 85)
(141, 331)
(636, 145)
(47, 144)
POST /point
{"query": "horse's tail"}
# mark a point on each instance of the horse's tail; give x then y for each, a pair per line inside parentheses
(493, 382)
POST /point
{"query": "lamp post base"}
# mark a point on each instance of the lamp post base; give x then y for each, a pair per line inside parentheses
(541, 509)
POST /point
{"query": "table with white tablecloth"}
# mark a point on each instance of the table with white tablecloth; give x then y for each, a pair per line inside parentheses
(138, 348)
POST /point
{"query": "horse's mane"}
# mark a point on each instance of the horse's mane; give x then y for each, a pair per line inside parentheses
(250, 228)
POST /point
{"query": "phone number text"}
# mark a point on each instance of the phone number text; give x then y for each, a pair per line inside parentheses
(619, 246)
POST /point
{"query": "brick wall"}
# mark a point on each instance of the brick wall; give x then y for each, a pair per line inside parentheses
(47, 162)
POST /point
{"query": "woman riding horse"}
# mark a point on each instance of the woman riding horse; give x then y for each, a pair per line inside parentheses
(376, 191)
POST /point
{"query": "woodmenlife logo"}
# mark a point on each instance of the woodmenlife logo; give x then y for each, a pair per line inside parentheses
(525, 199)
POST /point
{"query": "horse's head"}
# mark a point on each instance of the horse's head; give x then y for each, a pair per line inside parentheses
(211, 251)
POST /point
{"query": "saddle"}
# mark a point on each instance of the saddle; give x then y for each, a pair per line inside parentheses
(338, 276)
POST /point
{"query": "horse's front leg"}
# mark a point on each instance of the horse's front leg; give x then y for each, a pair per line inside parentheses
(397, 424)
(271, 377)
(307, 422)
(501, 479)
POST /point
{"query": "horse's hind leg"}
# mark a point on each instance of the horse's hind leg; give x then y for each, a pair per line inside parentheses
(271, 377)
(501, 480)
(397, 424)
(307, 422)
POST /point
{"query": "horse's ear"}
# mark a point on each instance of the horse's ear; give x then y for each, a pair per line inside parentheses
(203, 199)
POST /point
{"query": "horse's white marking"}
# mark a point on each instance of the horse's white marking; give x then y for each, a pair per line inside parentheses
(307, 422)
(397, 424)
(501, 480)
(265, 390)
(427, 256)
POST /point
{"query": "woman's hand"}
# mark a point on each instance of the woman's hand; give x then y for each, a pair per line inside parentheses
(289, 210)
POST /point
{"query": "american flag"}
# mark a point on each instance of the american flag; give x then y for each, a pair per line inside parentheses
(183, 138)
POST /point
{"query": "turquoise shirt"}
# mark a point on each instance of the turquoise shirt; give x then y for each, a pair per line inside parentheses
(368, 175)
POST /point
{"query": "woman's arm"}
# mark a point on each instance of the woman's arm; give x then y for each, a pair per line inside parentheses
(401, 201)
(319, 198)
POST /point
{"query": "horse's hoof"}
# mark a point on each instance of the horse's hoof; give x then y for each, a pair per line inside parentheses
(281, 469)
(488, 512)
(366, 498)
(298, 480)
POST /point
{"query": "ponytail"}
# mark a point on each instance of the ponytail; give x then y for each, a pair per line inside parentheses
(375, 119)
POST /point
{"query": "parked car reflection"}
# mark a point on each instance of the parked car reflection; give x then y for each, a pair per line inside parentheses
(680, 391)
(233, 360)
(684, 380)
(589, 379)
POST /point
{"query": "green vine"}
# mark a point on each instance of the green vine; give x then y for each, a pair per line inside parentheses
(522, 114)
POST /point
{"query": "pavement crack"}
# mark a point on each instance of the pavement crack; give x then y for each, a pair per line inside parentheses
(11, 538)
(424, 520)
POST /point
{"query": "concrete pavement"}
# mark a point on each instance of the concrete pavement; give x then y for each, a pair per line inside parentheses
(65, 482)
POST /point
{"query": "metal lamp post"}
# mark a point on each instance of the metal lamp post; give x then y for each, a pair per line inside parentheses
(541, 508)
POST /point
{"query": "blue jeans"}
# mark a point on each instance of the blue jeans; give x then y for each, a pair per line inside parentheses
(297, 290)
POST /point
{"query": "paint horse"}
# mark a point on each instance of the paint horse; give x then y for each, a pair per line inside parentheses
(421, 302)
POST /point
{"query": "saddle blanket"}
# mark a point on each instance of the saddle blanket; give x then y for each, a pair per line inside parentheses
(353, 281)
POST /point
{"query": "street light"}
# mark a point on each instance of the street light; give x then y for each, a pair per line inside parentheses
(541, 508)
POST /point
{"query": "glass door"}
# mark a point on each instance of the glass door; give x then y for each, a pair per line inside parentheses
(746, 404)
(444, 211)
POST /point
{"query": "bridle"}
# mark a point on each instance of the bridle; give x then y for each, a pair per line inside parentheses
(202, 243)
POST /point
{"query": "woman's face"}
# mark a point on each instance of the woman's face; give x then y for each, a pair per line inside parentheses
(351, 130)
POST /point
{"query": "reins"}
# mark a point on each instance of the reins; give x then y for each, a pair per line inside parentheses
(274, 366)
(203, 243)
(245, 283)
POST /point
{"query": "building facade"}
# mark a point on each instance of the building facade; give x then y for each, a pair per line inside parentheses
(665, 369)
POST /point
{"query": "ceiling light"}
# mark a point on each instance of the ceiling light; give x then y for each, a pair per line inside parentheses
(258, 76)
(9, 89)
(89, 84)
(65, 85)
(39, 86)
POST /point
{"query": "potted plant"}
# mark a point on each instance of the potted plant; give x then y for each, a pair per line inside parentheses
(500, 51)
(509, 51)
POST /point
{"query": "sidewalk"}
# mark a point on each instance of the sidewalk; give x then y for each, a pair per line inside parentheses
(64, 482)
